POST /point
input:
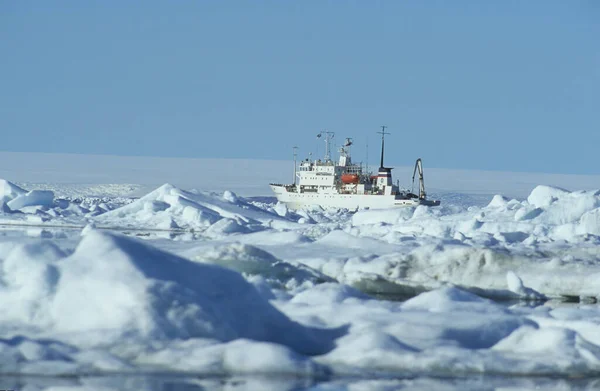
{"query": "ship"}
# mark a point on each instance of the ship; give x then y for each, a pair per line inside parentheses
(344, 184)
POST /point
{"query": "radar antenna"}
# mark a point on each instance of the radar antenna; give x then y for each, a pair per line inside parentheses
(345, 150)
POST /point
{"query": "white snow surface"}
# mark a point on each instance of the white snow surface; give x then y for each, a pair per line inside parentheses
(219, 284)
(117, 304)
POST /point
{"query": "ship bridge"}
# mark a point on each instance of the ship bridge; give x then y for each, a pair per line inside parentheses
(316, 176)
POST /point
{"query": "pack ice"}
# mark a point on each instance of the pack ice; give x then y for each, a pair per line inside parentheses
(261, 289)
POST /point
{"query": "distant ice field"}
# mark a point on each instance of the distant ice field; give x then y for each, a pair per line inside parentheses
(156, 274)
(244, 177)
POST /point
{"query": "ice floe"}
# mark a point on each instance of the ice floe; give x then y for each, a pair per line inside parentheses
(9, 191)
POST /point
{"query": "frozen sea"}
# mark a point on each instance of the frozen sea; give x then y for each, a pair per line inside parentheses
(123, 273)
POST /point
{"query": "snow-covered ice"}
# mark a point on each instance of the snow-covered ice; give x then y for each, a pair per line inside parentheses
(117, 304)
(211, 283)
(543, 242)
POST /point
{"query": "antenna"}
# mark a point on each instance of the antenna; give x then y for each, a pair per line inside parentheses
(367, 156)
(383, 133)
(345, 149)
(328, 138)
(294, 148)
(317, 152)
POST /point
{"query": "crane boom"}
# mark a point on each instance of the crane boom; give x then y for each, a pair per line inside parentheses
(419, 168)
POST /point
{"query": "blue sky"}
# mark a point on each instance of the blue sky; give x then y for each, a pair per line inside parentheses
(494, 85)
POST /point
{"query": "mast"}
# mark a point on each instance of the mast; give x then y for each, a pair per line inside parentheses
(383, 133)
(328, 138)
(294, 148)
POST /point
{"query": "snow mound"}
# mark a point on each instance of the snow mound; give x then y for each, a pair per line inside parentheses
(449, 300)
(567, 347)
(589, 223)
(241, 356)
(171, 208)
(29, 276)
(343, 239)
(515, 284)
(230, 196)
(122, 288)
(329, 293)
(498, 201)
(543, 196)
(560, 206)
(165, 208)
(252, 261)
(382, 216)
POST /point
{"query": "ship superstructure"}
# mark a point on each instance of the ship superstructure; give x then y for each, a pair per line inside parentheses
(345, 184)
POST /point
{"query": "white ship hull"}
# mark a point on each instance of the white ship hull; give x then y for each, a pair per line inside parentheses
(295, 200)
(345, 184)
